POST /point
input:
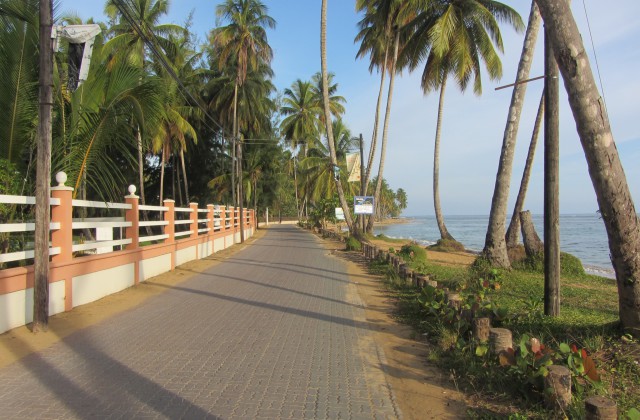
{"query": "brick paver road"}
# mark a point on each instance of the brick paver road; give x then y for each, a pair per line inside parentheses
(274, 331)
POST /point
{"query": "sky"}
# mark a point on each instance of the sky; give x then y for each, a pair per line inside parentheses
(473, 126)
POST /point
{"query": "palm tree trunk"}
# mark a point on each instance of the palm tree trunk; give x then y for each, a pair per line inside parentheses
(240, 192)
(177, 174)
(327, 113)
(374, 136)
(444, 233)
(234, 140)
(162, 165)
(607, 175)
(184, 176)
(495, 247)
(385, 130)
(140, 167)
(514, 226)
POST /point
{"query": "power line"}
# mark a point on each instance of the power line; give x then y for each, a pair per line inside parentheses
(595, 56)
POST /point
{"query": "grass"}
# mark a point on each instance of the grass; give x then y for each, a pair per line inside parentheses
(588, 319)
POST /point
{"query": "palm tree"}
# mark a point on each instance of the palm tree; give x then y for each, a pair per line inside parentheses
(175, 128)
(94, 124)
(495, 247)
(455, 37)
(301, 109)
(607, 175)
(317, 170)
(511, 237)
(19, 81)
(244, 43)
(130, 43)
(327, 116)
(385, 30)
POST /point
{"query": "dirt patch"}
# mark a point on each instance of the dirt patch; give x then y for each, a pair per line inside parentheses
(19, 342)
(444, 258)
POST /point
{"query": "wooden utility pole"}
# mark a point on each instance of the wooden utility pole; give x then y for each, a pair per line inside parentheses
(551, 183)
(43, 172)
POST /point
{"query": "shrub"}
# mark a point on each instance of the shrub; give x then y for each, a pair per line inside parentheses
(413, 252)
(353, 244)
(447, 245)
(570, 265)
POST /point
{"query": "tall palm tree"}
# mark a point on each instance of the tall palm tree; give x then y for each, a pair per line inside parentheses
(605, 169)
(127, 42)
(455, 37)
(385, 26)
(495, 247)
(244, 42)
(327, 116)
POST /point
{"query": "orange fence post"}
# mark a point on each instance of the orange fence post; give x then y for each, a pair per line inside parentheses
(194, 219)
(132, 215)
(63, 214)
(170, 216)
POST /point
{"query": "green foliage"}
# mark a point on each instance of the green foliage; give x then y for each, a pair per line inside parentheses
(323, 211)
(570, 266)
(447, 245)
(413, 252)
(353, 244)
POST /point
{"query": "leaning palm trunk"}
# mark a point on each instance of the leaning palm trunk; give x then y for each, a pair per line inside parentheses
(607, 175)
(495, 248)
(184, 176)
(444, 233)
(374, 136)
(162, 165)
(327, 115)
(385, 130)
(514, 225)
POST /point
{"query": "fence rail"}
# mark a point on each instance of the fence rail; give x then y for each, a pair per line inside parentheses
(99, 248)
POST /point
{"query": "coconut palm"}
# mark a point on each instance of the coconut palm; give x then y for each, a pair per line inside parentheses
(19, 81)
(388, 32)
(607, 175)
(129, 43)
(455, 37)
(242, 42)
(495, 247)
(316, 168)
(301, 109)
(94, 124)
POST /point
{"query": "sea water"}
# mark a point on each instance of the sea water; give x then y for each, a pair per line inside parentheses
(582, 235)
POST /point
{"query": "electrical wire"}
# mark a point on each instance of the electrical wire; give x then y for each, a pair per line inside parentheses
(595, 55)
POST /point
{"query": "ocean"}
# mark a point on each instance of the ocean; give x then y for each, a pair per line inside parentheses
(582, 235)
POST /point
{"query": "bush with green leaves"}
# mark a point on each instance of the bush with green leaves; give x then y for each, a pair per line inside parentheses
(413, 252)
(353, 244)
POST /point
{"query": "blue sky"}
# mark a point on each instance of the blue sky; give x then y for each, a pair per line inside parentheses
(473, 126)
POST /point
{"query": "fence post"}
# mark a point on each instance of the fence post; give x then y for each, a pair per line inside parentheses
(210, 221)
(63, 214)
(194, 219)
(63, 236)
(170, 216)
(132, 215)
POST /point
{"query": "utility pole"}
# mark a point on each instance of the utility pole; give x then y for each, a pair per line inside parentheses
(551, 183)
(43, 172)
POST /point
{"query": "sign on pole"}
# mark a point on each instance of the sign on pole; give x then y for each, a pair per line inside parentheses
(353, 167)
(363, 204)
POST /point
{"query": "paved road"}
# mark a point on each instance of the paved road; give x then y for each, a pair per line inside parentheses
(274, 331)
